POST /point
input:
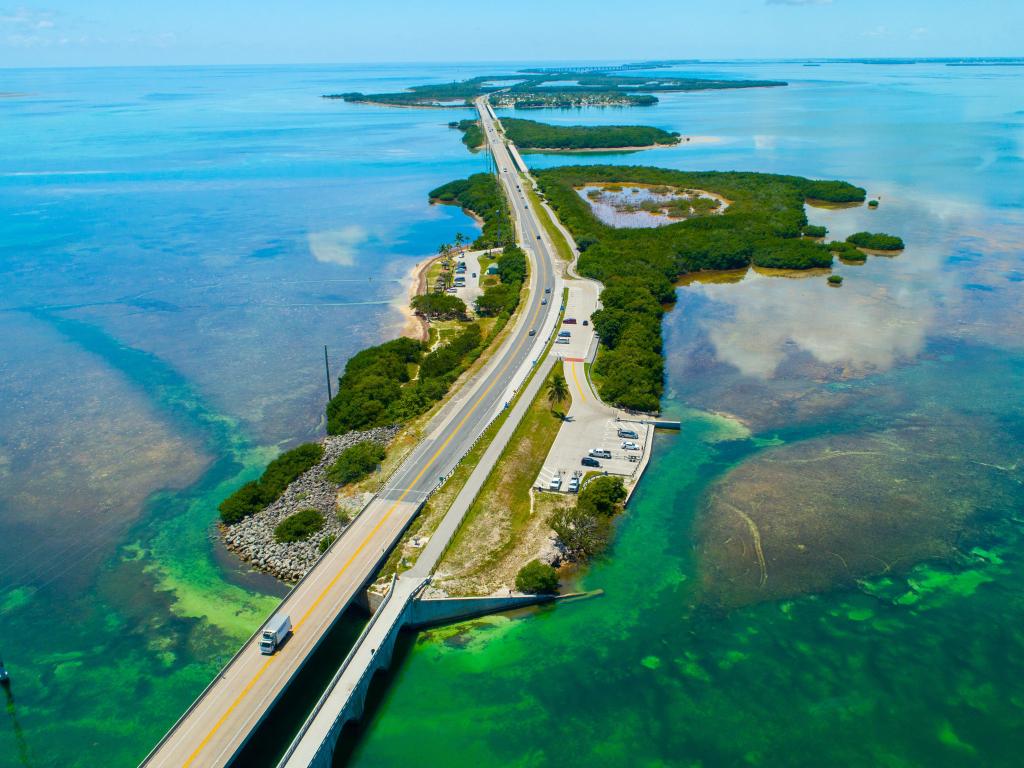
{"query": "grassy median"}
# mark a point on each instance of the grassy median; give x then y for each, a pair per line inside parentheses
(507, 524)
(554, 234)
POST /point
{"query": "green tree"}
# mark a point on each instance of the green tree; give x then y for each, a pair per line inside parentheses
(439, 305)
(603, 496)
(537, 578)
(558, 390)
(582, 534)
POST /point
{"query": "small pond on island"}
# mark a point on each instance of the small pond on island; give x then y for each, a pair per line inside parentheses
(643, 206)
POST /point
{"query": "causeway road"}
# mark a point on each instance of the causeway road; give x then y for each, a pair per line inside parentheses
(220, 721)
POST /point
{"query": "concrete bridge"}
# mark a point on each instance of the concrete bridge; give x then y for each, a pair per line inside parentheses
(345, 697)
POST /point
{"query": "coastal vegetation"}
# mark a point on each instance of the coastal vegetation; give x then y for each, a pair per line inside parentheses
(439, 306)
(356, 462)
(584, 530)
(847, 251)
(395, 381)
(833, 192)
(551, 88)
(299, 527)
(529, 134)
(472, 133)
(761, 226)
(481, 195)
(537, 578)
(835, 280)
(814, 230)
(876, 241)
(503, 298)
(256, 494)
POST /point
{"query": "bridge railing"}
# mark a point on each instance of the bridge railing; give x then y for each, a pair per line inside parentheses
(246, 644)
(338, 675)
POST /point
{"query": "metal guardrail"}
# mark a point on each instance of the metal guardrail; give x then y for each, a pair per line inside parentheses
(337, 675)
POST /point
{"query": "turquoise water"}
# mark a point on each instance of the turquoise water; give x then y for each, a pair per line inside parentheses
(178, 246)
(873, 433)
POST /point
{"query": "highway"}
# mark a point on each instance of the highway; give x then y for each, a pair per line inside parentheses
(219, 723)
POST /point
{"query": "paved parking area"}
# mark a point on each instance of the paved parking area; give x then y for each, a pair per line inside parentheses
(472, 288)
(580, 304)
(591, 424)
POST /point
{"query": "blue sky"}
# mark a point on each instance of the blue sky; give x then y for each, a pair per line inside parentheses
(112, 32)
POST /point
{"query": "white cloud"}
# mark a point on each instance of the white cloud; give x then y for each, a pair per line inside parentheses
(879, 31)
(26, 18)
(339, 246)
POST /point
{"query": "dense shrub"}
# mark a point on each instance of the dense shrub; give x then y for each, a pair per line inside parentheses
(356, 462)
(325, 542)
(504, 297)
(298, 527)
(255, 495)
(371, 387)
(603, 496)
(482, 195)
(876, 241)
(833, 191)
(638, 267)
(846, 251)
(472, 133)
(528, 134)
(440, 305)
(537, 578)
(581, 533)
(815, 230)
(791, 254)
(448, 359)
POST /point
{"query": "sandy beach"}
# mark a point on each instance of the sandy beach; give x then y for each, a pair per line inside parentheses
(414, 326)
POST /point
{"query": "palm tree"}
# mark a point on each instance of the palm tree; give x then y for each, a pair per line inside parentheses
(558, 390)
(459, 239)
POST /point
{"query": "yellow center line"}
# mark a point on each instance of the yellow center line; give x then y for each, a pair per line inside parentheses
(249, 686)
(583, 398)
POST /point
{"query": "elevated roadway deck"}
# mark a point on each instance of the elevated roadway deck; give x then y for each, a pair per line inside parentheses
(219, 723)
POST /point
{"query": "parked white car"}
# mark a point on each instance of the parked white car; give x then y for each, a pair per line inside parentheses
(629, 445)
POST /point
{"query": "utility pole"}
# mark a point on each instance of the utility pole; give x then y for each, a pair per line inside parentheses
(327, 366)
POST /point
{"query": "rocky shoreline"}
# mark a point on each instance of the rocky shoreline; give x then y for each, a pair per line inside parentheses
(252, 539)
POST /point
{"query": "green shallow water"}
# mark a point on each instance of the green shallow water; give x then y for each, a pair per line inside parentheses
(177, 264)
(878, 425)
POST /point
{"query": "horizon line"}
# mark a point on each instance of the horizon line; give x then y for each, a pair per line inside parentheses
(655, 63)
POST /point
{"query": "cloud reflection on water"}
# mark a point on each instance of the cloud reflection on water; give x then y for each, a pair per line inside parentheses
(864, 328)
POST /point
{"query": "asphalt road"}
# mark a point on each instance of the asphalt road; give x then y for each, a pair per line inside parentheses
(218, 724)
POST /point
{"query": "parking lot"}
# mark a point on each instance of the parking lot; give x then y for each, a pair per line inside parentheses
(578, 307)
(591, 424)
(472, 289)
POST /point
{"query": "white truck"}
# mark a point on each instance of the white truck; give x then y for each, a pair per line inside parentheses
(274, 633)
